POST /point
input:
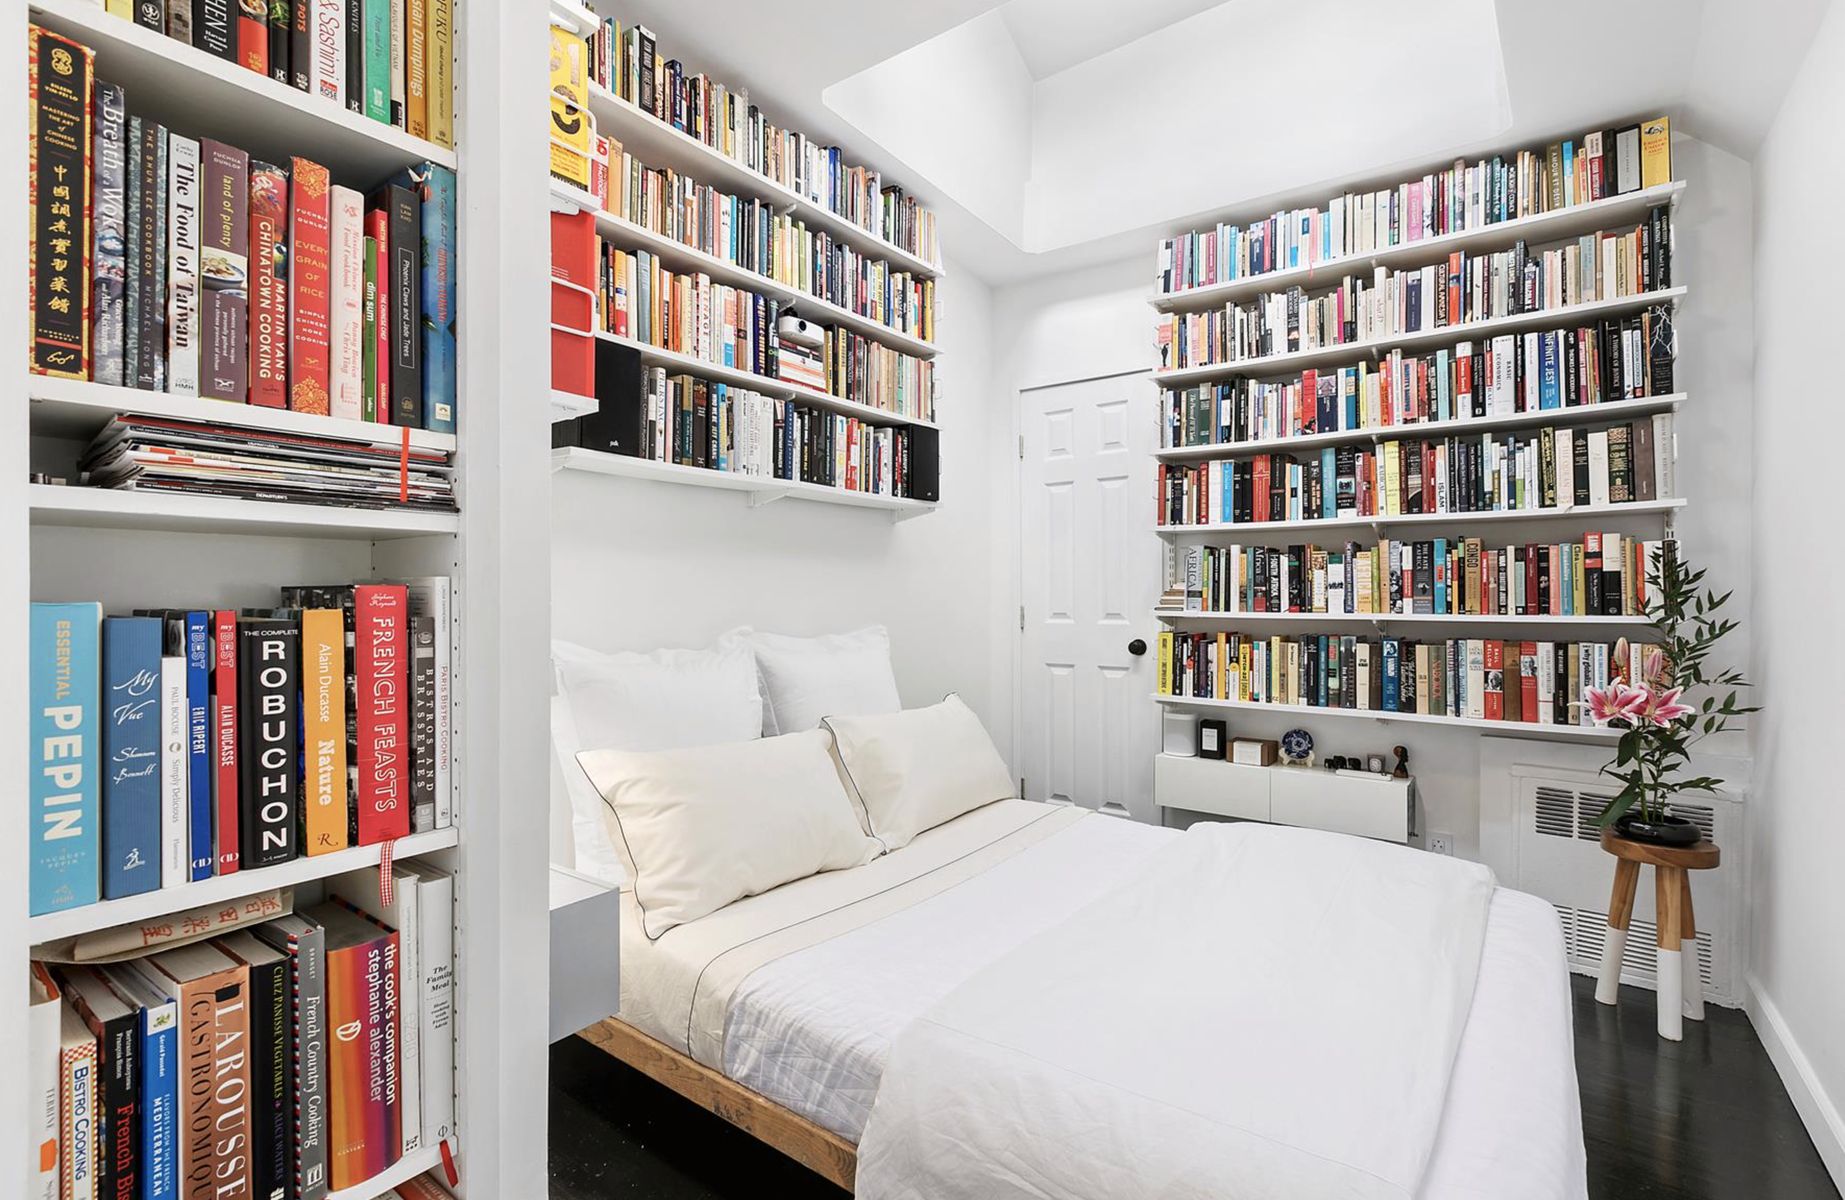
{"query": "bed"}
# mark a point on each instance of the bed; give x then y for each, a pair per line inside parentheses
(780, 1010)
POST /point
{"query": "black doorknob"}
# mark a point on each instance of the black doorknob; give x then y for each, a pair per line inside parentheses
(1137, 647)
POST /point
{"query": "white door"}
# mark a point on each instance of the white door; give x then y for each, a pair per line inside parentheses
(1091, 572)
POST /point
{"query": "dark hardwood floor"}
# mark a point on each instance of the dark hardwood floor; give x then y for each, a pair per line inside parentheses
(1706, 1119)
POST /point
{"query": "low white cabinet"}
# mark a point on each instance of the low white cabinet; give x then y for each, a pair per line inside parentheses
(1366, 805)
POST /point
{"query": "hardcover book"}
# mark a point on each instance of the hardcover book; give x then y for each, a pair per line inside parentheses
(225, 771)
(309, 287)
(118, 1039)
(328, 75)
(434, 188)
(403, 290)
(381, 659)
(281, 35)
(422, 723)
(323, 671)
(441, 72)
(361, 1140)
(211, 990)
(179, 20)
(59, 87)
(188, 637)
(416, 39)
(436, 1003)
(359, 891)
(301, 33)
(377, 42)
(174, 869)
(268, 669)
(305, 944)
(131, 756)
(158, 1057)
(78, 1099)
(213, 28)
(224, 268)
(182, 266)
(43, 1013)
(66, 663)
(271, 1106)
(137, 366)
(109, 262)
(346, 304)
(429, 598)
(268, 356)
(253, 35)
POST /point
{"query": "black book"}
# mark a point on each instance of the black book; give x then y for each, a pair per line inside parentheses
(355, 54)
(148, 320)
(1479, 383)
(115, 1023)
(300, 43)
(214, 28)
(281, 40)
(1294, 601)
(1659, 349)
(701, 424)
(1258, 578)
(1579, 450)
(1540, 603)
(152, 14)
(1406, 677)
(272, 1115)
(268, 738)
(1422, 583)
(404, 220)
(422, 723)
(646, 94)
(1310, 666)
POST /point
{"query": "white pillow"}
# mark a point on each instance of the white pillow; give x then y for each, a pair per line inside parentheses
(666, 700)
(837, 674)
(915, 769)
(708, 826)
(740, 636)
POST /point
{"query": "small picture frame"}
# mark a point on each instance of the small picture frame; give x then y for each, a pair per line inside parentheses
(1374, 763)
(1213, 738)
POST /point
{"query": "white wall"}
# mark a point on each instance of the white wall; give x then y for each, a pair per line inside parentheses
(1096, 322)
(638, 565)
(1798, 958)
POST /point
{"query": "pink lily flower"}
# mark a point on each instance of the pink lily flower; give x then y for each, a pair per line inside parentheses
(1617, 701)
(1666, 708)
(1655, 667)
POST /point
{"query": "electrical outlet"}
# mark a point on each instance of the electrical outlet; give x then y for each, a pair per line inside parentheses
(1440, 843)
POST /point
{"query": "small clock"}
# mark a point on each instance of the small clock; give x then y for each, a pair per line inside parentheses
(1297, 748)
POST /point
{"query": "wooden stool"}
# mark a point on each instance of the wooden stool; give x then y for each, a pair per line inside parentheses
(1681, 991)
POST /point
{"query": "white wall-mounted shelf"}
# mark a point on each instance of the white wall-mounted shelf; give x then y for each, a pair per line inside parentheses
(567, 406)
(415, 1163)
(1202, 617)
(1524, 729)
(107, 914)
(1581, 414)
(658, 144)
(673, 360)
(1542, 228)
(190, 89)
(681, 257)
(1579, 512)
(760, 490)
(106, 508)
(73, 408)
(1296, 360)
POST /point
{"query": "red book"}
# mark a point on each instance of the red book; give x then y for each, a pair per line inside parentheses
(1259, 475)
(1306, 415)
(310, 275)
(224, 725)
(1527, 681)
(1161, 514)
(1428, 476)
(361, 1072)
(268, 289)
(381, 651)
(1493, 693)
(378, 229)
(253, 35)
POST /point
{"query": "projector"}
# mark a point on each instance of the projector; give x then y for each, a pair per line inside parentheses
(800, 332)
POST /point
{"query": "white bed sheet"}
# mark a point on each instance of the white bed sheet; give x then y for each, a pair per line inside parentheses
(812, 1030)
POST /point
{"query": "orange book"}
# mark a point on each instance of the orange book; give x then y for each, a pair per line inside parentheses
(362, 1112)
(323, 722)
(214, 1068)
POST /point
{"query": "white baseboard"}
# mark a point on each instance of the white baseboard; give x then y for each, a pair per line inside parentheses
(1821, 1115)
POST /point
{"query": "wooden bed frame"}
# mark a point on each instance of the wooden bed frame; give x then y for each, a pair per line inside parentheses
(820, 1150)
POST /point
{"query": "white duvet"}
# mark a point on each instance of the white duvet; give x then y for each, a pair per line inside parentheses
(1235, 1021)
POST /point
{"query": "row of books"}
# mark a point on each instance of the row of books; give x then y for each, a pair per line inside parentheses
(1467, 288)
(305, 1053)
(1624, 358)
(173, 745)
(390, 60)
(1602, 574)
(1472, 678)
(737, 328)
(627, 62)
(646, 413)
(754, 235)
(1524, 471)
(1600, 164)
(181, 265)
(152, 454)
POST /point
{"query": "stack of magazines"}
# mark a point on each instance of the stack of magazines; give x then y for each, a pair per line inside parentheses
(154, 455)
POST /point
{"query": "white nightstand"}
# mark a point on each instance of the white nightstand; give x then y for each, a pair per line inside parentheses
(585, 951)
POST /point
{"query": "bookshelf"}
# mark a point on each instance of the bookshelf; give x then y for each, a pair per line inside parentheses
(1558, 226)
(83, 543)
(761, 490)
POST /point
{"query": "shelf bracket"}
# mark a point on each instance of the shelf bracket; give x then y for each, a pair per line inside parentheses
(758, 499)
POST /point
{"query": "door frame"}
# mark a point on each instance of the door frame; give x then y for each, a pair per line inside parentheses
(1011, 613)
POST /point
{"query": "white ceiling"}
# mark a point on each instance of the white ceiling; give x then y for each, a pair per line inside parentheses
(1056, 133)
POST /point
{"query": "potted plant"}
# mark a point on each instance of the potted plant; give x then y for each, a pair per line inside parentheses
(1672, 707)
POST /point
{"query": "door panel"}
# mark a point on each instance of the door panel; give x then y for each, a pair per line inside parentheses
(1089, 578)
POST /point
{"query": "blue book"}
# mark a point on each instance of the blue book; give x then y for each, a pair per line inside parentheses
(130, 756)
(1550, 391)
(1444, 372)
(158, 1061)
(1329, 485)
(1392, 666)
(435, 188)
(1442, 567)
(65, 661)
(1349, 376)
(197, 652)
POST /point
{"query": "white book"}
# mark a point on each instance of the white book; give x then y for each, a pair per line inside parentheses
(78, 1094)
(1598, 466)
(327, 59)
(1476, 679)
(1566, 466)
(345, 311)
(1547, 684)
(360, 889)
(1665, 456)
(43, 1019)
(436, 1004)
(429, 597)
(399, 42)
(182, 266)
(175, 761)
(1363, 668)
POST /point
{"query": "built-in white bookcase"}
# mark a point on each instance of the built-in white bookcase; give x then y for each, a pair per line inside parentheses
(1652, 518)
(125, 549)
(659, 145)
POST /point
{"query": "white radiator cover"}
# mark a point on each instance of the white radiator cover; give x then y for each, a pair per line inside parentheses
(1538, 833)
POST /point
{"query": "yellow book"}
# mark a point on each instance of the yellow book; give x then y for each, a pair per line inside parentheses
(120, 8)
(323, 727)
(1223, 665)
(1242, 670)
(1579, 601)
(570, 121)
(1165, 662)
(1655, 152)
(439, 70)
(416, 64)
